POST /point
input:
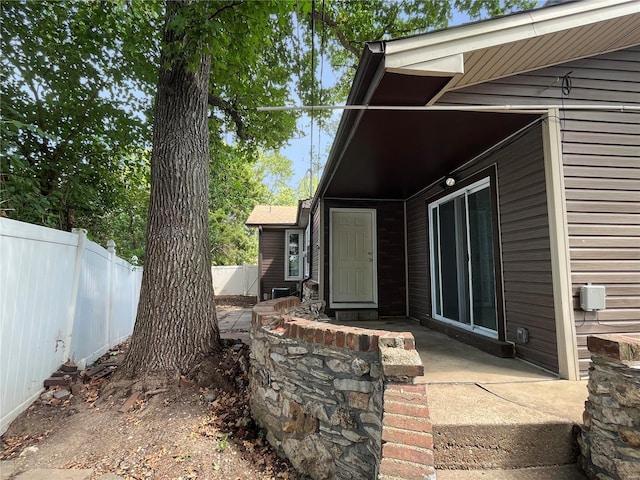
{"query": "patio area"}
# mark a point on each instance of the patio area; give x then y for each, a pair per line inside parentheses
(492, 413)
(493, 418)
(473, 373)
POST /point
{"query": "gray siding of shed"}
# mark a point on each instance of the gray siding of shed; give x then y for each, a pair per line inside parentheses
(271, 261)
(601, 157)
(526, 259)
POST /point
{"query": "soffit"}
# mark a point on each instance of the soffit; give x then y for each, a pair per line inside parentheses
(394, 154)
(534, 53)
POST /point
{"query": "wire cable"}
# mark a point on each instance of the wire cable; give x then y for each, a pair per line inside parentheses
(313, 78)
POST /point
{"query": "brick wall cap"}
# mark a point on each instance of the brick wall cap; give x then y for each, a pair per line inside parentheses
(618, 347)
(398, 362)
(269, 315)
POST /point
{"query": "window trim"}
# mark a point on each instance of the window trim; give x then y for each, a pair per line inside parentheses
(300, 255)
(306, 251)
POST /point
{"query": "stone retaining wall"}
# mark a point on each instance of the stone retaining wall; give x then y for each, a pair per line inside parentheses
(339, 401)
(610, 437)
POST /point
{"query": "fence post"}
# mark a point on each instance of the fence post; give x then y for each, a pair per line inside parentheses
(82, 237)
(136, 294)
(245, 278)
(111, 248)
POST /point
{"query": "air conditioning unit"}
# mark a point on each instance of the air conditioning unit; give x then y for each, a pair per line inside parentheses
(280, 292)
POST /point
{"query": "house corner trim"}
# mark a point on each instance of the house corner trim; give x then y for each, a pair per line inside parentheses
(559, 240)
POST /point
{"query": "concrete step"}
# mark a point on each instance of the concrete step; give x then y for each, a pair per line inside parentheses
(561, 472)
(475, 429)
(502, 446)
(356, 315)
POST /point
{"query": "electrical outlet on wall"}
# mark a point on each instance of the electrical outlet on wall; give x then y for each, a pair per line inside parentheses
(522, 335)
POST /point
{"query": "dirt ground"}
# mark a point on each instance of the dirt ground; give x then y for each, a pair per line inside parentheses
(234, 302)
(183, 433)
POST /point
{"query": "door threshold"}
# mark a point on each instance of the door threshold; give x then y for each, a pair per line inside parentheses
(499, 348)
(356, 314)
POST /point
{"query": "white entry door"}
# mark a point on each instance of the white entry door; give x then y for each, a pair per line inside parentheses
(353, 258)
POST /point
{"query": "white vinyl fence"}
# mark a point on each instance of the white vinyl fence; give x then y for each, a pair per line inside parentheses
(235, 280)
(61, 297)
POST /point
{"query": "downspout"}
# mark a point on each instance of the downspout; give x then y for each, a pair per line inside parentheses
(302, 282)
(305, 280)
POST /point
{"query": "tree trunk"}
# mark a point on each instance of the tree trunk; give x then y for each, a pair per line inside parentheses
(176, 323)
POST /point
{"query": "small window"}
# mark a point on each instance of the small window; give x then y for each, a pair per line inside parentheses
(293, 254)
(307, 250)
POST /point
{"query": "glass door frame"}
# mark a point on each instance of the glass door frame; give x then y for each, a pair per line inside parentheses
(475, 184)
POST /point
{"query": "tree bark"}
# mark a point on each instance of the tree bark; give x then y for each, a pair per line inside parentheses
(176, 323)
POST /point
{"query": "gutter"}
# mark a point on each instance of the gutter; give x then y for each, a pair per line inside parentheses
(368, 76)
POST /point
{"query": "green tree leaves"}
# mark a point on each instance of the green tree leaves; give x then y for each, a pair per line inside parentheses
(69, 97)
(78, 78)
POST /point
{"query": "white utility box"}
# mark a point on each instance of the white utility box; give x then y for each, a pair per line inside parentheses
(592, 297)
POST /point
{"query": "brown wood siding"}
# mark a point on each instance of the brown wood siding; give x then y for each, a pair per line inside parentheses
(391, 257)
(272, 261)
(526, 254)
(601, 157)
(526, 259)
(601, 154)
(418, 260)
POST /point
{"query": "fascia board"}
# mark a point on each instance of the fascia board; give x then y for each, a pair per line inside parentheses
(374, 62)
(403, 53)
(439, 67)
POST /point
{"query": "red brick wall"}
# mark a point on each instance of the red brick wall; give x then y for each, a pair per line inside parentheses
(407, 437)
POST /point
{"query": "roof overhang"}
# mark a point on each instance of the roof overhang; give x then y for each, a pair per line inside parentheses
(391, 154)
(394, 154)
(303, 213)
(549, 36)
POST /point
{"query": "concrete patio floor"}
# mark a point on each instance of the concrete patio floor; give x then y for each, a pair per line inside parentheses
(477, 375)
(476, 396)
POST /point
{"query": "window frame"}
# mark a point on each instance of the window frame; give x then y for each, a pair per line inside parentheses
(484, 182)
(300, 255)
(307, 251)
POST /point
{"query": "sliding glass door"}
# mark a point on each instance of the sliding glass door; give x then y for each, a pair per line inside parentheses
(462, 260)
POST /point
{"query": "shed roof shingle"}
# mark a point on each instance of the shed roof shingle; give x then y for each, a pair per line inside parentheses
(273, 215)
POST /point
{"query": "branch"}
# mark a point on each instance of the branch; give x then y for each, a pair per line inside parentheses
(231, 110)
(333, 25)
(60, 148)
(222, 9)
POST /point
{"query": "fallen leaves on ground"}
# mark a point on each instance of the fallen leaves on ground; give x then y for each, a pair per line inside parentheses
(12, 445)
(185, 433)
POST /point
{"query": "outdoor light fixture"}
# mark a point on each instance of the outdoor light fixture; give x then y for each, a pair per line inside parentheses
(450, 181)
